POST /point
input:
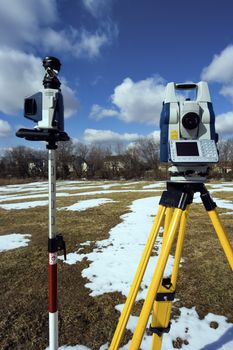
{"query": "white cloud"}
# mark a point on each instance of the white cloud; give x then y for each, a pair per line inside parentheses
(5, 128)
(21, 75)
(90, 44)
(97, 8)
(155, 135)
(135, 101)
(22, 21)
(227, 91)
(108, 136)
(224, 123)
(26, 25)
(58, 41)
(78, 43)
(221, 68)
(71, 103)
(99, 112)
(140, 101)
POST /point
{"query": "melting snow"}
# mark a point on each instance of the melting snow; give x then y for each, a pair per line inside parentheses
(13, 240)
(23, 205)
(155, 185)
(86, 204)
(123, 248)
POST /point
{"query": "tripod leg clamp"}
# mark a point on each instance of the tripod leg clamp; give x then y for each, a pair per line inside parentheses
(162, 308)
(159, 330)
(166, 296)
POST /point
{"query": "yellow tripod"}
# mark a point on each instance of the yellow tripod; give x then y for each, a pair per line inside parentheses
(172, 213)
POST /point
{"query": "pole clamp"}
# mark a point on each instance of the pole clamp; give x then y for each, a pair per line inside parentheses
(56, 244)
(61, 244)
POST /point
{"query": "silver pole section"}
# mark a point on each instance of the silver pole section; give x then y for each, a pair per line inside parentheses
(52, 193)
(52, 268)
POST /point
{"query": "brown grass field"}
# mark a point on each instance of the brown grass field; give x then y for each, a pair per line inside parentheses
(205, 279)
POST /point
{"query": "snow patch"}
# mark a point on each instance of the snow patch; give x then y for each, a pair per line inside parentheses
(13, 241)
(159, 184)
(23, 205)
(107, 271)
(87, 204)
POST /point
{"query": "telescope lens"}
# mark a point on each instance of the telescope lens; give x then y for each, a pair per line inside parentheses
(190, 120)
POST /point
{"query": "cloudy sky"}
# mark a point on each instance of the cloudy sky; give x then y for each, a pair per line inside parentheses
(117, 57)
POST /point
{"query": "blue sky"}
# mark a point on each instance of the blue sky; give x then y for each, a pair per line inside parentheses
(117, 57)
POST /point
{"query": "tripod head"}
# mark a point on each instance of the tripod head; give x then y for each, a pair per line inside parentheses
(46, 108)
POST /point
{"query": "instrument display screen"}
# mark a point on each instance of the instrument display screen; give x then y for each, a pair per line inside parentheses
(187, 149)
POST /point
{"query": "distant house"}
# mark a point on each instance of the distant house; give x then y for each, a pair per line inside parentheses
(78, 166)
(114, 163)
(37, 168)
(223, 167)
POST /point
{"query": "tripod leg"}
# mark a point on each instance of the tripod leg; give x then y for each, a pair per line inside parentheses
(210, 206)
(179, 246)
(224, 240)
(166, 293)
(156, 280)
(137, 280)
(168, 217)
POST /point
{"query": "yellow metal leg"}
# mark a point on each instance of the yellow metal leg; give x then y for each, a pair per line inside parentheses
(224, 240)
(161, 315)
(168, 216)
(162, 308)
(167, 221)
(156, 280)
(179, 246)
(137, 280)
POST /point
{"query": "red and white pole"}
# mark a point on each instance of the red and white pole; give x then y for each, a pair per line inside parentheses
(52, 250)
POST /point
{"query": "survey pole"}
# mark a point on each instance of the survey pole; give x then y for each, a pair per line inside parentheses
(52, 251)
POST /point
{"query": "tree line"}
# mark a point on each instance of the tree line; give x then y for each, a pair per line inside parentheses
(78, 160)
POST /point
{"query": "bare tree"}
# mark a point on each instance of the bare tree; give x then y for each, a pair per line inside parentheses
(225, 148)
(64, 156)
(133, 167)
(148, 150)
(95, 160)
(23, 162)
(81, 150)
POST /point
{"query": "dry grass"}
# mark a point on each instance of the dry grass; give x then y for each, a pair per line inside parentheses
(205, 279)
